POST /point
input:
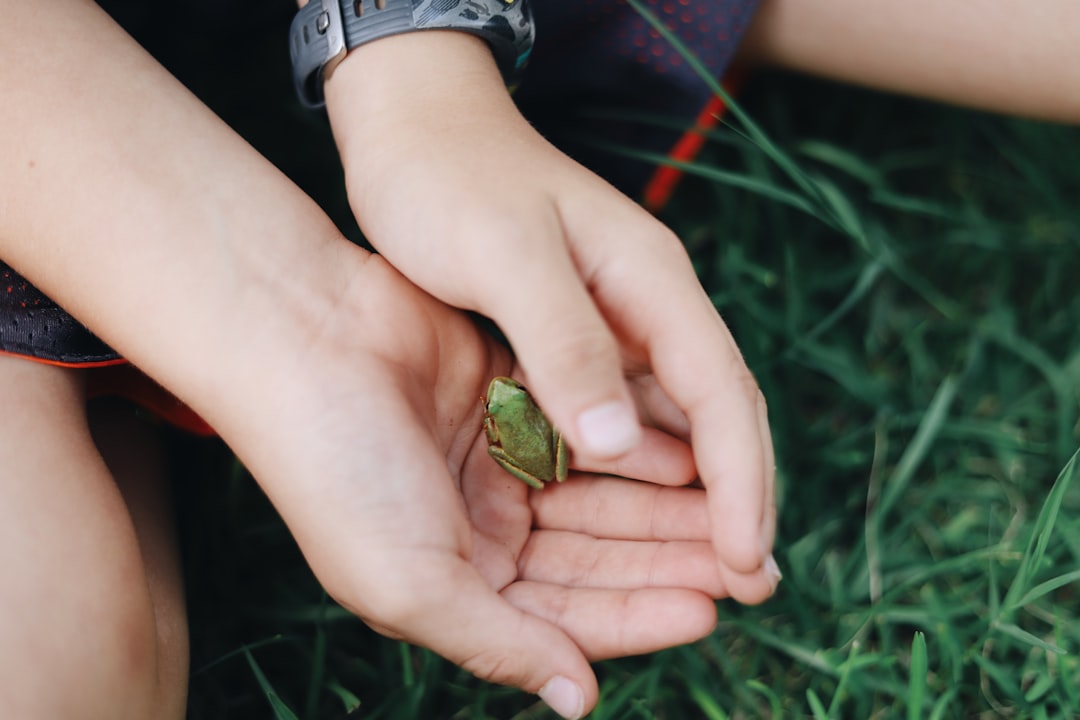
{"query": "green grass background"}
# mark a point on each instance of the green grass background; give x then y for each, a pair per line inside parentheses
(902, 278)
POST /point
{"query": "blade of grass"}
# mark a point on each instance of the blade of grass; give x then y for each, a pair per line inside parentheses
(1060, 383)
(408, 677)
(239, 651)
(707, 704)
(946, 306)
(732, 179)
(1039, 688)
(942, 705)
(769, 694)
(1001, 676)
(847, 668)
(281, 710)
(914, 205)
(1032, 559)
(347, 698)
(318, 664)
(865, 282)
(919, 447)
(816, 706)
(917, 677)
(755, 133)
(616, 697)
(1049, 586)
(841, 210)
(1018, 633)
(843, 160)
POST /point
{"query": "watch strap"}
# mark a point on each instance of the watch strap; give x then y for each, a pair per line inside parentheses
(323, 31)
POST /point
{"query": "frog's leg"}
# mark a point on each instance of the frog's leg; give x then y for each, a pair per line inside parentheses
(562, 458)
(506, 463)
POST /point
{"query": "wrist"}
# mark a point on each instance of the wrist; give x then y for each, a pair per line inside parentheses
(381, 85)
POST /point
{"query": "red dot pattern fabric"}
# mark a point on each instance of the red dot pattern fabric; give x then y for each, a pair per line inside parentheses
(599, 70)
(34, 326)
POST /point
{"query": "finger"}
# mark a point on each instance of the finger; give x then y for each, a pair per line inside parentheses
(768, 460)
(569, 355)
(582, 561)
(753, 587)
(387, 536)
(730, 439)
(696, 361)
(616, 623)
(448, 608)
(620, 509)
(657, 409)
(660, 458)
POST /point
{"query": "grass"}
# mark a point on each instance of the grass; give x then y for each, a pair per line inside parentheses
(902, 279)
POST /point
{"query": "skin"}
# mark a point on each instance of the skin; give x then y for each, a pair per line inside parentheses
(1008, 56)
(159, 197)
(92, 608)
(520, 438)
(623, 311)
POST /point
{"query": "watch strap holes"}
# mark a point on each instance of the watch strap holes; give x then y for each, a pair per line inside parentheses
(358, 6)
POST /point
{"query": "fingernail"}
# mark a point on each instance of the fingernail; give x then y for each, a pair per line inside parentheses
(772, 572)
(765, 545)
(608, 430)
(564, 697)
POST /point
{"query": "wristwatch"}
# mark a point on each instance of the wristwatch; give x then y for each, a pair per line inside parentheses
(325, 30)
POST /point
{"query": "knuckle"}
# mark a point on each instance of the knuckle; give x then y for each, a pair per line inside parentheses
(391, 606)
(495, 666)
(666, 247)
(582, 346)
(746, 382)
(762, 403)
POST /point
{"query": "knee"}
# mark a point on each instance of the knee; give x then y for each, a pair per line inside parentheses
(89, 656)
(88, 629)
(142, 651)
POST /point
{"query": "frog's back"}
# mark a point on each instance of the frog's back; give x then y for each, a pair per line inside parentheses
(531, 442)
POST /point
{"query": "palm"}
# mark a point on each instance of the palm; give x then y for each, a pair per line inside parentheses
(576, 552)
(383, 475)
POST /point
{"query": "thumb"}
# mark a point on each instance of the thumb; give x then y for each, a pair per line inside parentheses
(570, 356)
(479, 630)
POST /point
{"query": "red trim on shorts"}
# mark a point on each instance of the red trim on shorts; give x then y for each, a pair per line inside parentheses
(665, 179)
(128, 382)
(119, 378)
(60, 363)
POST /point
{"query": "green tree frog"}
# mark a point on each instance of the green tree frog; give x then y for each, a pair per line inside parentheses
(520, 439)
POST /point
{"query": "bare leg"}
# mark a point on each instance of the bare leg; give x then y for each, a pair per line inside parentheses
(1012, 56)
(133, 454)
(91, 619)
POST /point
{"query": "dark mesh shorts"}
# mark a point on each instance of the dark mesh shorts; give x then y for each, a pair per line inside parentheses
(597, 69)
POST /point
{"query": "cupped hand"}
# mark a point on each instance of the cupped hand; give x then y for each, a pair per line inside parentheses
(375, 456)
(467, 200)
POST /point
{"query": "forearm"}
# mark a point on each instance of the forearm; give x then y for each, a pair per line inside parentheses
(1015, 57)
(139, 211)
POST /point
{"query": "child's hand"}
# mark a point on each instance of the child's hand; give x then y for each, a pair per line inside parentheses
(373, 451)
(352, 396)
(452, 185)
